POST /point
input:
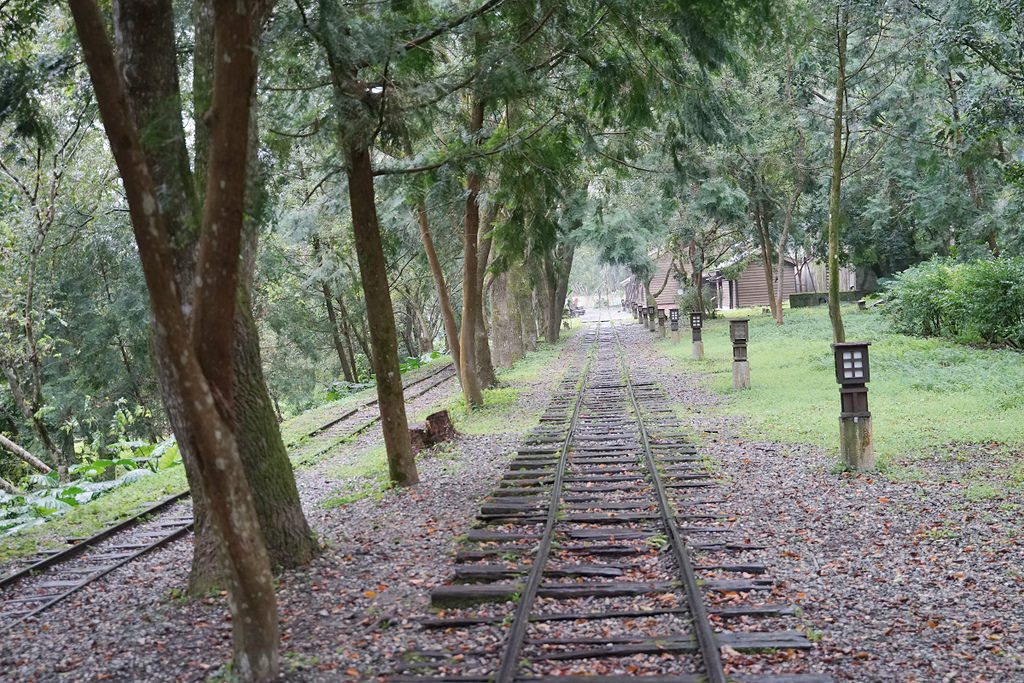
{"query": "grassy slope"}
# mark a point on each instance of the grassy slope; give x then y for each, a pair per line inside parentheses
(365, 474)
(86, 520)
(923, 394)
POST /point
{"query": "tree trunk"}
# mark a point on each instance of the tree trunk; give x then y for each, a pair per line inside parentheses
(289, 540)
(542, 305)
(348, 337)
(286, 534)
(32, 414)
(200, 350)
(10, 488)
(32, 460)
(484, 364)
(556, 268)
(761, 224)
(451, 331)
(336, 333)
(506, 330)
(838, 154)
(563, 268)
(522, 297)
(471, 305)
(424, 330)
(373, 272)
(972, 181)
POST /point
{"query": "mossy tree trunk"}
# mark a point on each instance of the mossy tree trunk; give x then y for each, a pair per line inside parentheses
(838, 156)
(381, 315)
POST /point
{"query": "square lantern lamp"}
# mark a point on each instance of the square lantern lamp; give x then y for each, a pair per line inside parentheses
(738, 333)
(739, 330)
(852, 373)
(852, 362)
(696, 320)
(650, 312)
(673, 316)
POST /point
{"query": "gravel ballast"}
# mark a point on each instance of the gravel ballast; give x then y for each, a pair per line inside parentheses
(898, 580)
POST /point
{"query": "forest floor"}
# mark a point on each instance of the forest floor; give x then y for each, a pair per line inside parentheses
(912, 574)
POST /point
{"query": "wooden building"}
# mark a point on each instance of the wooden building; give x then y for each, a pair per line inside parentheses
(751, 289)
(667, 298)
(748, 289)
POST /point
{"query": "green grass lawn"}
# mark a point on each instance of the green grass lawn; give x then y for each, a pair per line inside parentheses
(86, 520)
(924, 392)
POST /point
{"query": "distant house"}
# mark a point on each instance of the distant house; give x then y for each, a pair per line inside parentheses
(750, 287)
(667, 298)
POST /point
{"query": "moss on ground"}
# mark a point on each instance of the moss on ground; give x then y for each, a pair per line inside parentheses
(86, 520)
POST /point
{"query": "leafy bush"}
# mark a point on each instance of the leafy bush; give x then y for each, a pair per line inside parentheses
(976, 301)
(920, 297)
(687, 301)
(44, 496)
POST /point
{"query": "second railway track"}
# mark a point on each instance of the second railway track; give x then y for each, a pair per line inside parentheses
(603, 555)
(54, 576)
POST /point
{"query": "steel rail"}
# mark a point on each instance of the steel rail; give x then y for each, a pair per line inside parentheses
(521, 618)
(103, 571)
(372, 421)
(706, 640)
(353, 411)
(80, 547)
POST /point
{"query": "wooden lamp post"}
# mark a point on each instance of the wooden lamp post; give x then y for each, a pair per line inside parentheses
(661, 323)
(856, 441)
(673, 316)
(696, 323)
(738, 333)
(652, 319)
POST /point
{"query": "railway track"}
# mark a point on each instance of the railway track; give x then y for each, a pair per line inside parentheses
(354, 421)
(54, 576)
(602, 556)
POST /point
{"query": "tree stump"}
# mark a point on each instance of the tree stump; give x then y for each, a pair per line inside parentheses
(439, 429)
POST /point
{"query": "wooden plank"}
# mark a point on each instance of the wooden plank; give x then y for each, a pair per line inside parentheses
(663, 647)
(569, 591)
(455, 595)
(756, 568)
(609, 517)
(738, 586)
(622, 678)
(484, 535)
(605, 535)
(763, 640)
(781, 678)
(753, 611)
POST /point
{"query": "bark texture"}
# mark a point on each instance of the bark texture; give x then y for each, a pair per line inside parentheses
(373, 272)
(200, 350)
(471, 304)
(147, 53)
(519, 290)
(838, 154)
(506, 328)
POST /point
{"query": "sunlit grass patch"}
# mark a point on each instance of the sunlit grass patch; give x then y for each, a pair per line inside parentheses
(923, 393)
(86, 520)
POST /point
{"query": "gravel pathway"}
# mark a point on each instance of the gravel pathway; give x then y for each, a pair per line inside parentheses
(899, 580)
(341, 618)
(918, 577)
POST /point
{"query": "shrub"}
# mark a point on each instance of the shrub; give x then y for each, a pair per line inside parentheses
(920, 298)
(977, 301)
(687, 301)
